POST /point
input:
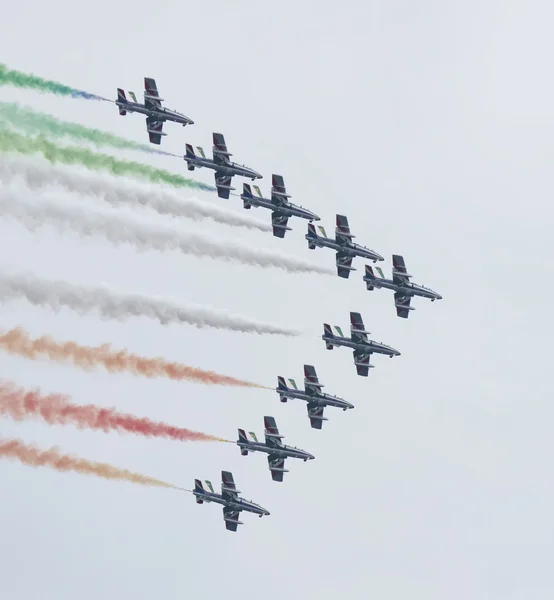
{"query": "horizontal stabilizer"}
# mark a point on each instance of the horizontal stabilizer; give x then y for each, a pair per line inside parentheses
(280, 194)
(360, 364)
(225, 187)
(224, 488)
(221, 152)
(277, 226)
(404, 307)
(233, 521)
(318, 418)
(401, 273)
(149, 97)
(344, 234)
(360, 331)
(277, 436)
(156, 132)
(276, 470)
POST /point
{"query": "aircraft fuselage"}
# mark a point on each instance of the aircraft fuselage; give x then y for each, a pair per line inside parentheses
(162, 114)
(349, 249)
(290, 210)
(226, 169)
(233, 503)
(362, 347)
(406, 289)
(318, 399)
(280, 451)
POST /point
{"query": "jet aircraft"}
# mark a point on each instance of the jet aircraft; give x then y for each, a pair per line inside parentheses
(229, 498)
(281, 207)
(312, 394)
(275, 449)
(155, 113)
(359, 342)
(343, 244)
(404, 290)
(221, 164)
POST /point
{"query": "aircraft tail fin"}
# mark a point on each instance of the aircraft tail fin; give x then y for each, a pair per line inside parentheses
(190, 151)
(311, 235)
(123, 99)
(328, 333)
(281, 388)
(198, 487)
(246, 195)
(369, 277)
(243, 438)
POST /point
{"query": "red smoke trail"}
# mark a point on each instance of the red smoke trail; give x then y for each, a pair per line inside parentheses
(18, 341)
(34, 457)
(56, 409)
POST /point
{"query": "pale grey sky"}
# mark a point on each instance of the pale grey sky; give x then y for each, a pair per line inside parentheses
(429, 125)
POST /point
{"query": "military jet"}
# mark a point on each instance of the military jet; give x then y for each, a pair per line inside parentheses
(404, 290)
(275, 449)
(281, 207)
(359, 342)
(343, 244)
(312, 394)
(155, 113)
(229, 497)
(223, 167)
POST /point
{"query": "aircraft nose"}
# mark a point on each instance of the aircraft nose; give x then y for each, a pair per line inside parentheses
(439, 297)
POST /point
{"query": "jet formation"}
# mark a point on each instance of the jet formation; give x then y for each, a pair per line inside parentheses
(346, 250)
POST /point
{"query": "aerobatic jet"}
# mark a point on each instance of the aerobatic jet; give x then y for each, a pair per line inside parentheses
(279, 204)
(273, 446)
(221, 164)
(229, 498)
(404, 290)
(343, 244)
(155, 113)
(359, 342)
(312, 394)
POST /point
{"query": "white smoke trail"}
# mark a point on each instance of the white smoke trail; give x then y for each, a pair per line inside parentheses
(22, 205)
(118, 305)
(39, 174)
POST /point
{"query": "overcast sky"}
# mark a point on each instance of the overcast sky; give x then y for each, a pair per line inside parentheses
(429, 124)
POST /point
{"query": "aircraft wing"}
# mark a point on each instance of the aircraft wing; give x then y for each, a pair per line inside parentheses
(231, 517)
(278, 191)
(272, 436)
(228, 488)
(276, 466)
(223, 184)
(152, 99)
(315, 414)
(220, 152)
(357, 329)
(342, 232)
(311, 381)
(400, 275)
(154, 128)
(344, 265)
(402, 305)
(279, 222)
(361, 360)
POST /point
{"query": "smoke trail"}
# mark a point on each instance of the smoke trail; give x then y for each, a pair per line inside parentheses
(38, 175)
(29, 120)
(116, 305)
(123, 229)
(10, 141)
(18, 341)
(30, 81)
(56, 409)
(34, 457)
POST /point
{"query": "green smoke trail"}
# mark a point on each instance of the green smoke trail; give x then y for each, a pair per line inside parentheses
(11, 141)
(30, 81)
(31, 121)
